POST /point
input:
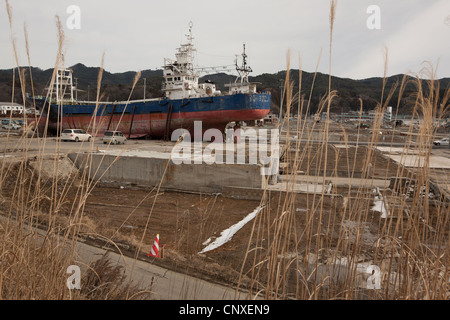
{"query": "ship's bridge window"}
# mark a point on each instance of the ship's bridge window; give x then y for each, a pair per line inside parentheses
(169, 79)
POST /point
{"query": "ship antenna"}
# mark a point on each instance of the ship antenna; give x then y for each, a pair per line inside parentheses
(189, 36)
(244, 70)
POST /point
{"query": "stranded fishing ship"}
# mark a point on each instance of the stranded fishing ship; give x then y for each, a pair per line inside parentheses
(185, 101)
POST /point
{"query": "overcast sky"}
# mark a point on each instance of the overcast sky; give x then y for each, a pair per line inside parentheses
(138, 34)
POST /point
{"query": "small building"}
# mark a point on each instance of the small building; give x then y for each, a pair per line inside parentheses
(8, 107)
(385, 117)
(270, 118)
(369, 116)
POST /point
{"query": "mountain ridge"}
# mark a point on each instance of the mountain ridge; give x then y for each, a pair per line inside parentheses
(117, 86)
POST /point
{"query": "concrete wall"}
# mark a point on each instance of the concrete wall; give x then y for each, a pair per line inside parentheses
(147, 172)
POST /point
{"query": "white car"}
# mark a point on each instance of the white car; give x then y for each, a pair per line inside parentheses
(114, 137)
(11, 126)
(75, 135)
(442, 142)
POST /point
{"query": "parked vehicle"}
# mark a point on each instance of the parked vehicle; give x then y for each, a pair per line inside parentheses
(6, 121)
(442, 142)
(75, 135)
(11, 126)
(114, 137)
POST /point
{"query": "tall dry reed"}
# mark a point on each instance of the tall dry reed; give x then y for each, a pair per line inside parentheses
(329, 249)
(38, 229)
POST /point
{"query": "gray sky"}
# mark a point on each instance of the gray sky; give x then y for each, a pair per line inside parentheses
(138, 34)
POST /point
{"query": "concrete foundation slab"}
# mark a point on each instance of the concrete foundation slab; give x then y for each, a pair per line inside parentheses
(148, 172)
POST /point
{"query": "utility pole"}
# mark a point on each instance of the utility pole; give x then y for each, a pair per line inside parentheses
(281, 98)
(76, 88)
(144, 87)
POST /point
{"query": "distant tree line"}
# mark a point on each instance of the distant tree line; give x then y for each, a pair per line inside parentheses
(117, 87)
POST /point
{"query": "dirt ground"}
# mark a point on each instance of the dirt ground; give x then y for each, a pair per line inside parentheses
(185, 221)
(342, 161)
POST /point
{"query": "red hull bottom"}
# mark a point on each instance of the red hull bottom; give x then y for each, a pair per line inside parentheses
(154, 125)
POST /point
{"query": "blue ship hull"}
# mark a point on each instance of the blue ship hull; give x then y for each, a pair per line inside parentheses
(157, 117)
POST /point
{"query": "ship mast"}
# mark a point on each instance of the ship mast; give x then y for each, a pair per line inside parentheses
(180, 78)
(242, 86)
(244, 69)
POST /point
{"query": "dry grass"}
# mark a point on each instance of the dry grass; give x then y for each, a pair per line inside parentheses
(324, 254)
(313, 255)
(38, 237)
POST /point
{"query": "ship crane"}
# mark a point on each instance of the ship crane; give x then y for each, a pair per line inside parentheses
(217, 69)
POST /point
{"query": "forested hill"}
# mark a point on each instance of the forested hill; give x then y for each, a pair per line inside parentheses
(117, 86)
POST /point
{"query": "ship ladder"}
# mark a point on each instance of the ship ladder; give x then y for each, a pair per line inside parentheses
(168, 122)
(110, 118)
(131, 123)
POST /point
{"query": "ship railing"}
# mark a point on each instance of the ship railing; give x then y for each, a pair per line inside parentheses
(140, 100)
(116, 102)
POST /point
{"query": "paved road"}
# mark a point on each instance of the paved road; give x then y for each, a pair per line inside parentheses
(167, 285)
(14, 146)
(52, 145)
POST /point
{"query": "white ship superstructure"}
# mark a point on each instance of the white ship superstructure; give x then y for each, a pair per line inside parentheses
(180, 76)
